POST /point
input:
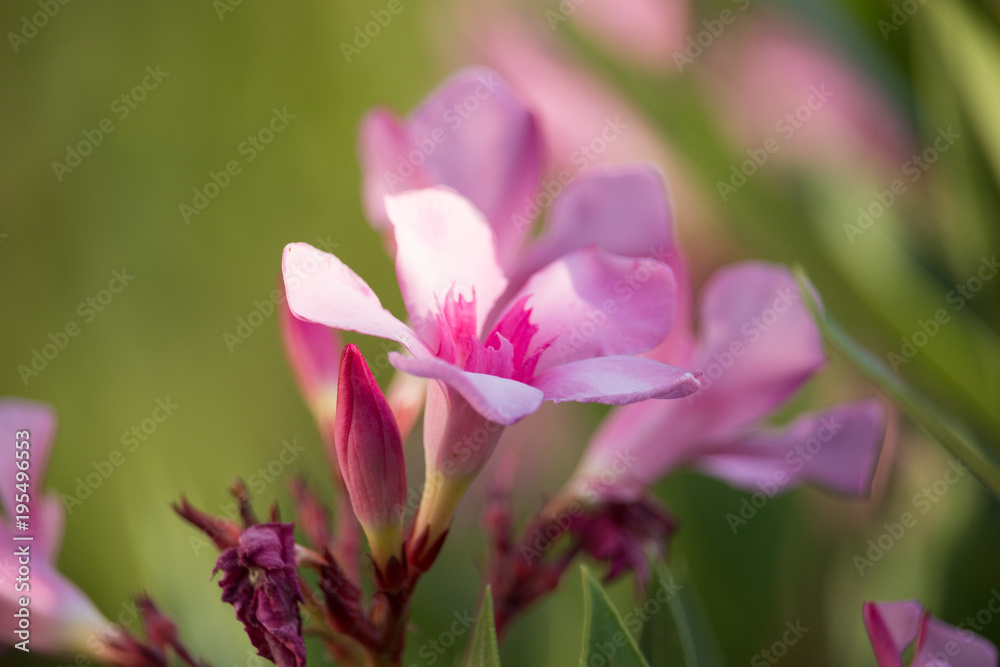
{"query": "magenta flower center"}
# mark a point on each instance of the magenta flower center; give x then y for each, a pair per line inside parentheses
(507, 351)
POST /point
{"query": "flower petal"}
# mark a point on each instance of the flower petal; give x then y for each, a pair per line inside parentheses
(313, 352)
(758, 345)
(591, 303)
(837, 449)
(39, 420)
(471, 135)
(892, 626)
(944, 644)
(498, 399)
(617, 380)
(487, 147)
(623, 209)
(385, 149)
(322, 289)
(442, 244)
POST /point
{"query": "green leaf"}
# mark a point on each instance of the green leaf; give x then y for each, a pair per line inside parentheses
(676, 632)
(971, 51)
(605, 640)
(483, 651)
(950, 435)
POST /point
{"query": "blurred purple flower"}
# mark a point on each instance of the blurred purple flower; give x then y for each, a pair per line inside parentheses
(260, 581)
(893, 626)
(757, 346)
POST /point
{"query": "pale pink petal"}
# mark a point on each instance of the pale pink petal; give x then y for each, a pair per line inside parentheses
(679, 345)
(944, 645)
(591, 303)
(656, 431)
(444, 246)
(387, 155)
(836, 449)
(50, 522)
(63, 619)
(498, 399)
(313, 352)
(622, 209)
(615, 380)
(32, 422)
(758, 345)
(322, 289)
(487, 148)
(892, 626)
(471, 135)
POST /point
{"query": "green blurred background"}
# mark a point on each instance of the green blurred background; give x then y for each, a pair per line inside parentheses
(163, 336)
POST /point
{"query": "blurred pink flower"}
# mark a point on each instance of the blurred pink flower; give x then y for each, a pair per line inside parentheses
(893, 626)
(770, 69)
(645, 32)
(757, 346)
(63, 619)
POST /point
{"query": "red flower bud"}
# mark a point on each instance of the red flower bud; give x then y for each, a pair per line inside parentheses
(370, 454)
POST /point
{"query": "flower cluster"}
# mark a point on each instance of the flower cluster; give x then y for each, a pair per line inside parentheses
(515, 293)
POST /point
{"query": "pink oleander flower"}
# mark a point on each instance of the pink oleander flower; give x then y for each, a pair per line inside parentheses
(571, 332)
(757, 346)
(370, 452)
(63, 619)
(894, 626)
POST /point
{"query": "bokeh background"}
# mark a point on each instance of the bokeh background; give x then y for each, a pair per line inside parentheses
(169, 334)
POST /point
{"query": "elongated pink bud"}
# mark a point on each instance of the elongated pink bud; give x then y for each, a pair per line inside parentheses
(370, 453)
(313, 350)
